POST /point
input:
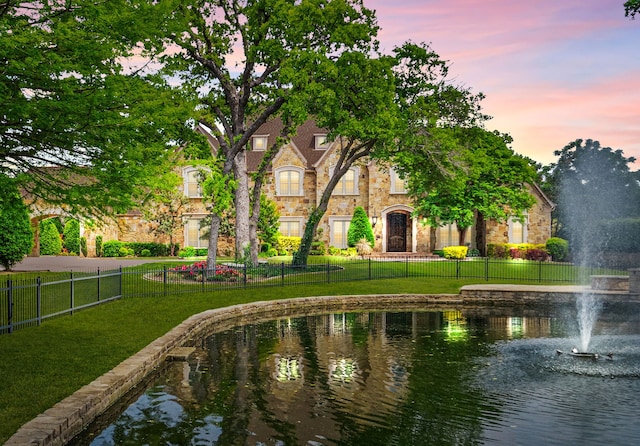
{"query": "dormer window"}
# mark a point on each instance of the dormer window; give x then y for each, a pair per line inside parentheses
(259, 142)
(321, 142)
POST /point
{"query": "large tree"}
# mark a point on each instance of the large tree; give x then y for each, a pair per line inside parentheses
(380, 107)
(78, 128)
(247, 61)
(590, 183)
(489, 182)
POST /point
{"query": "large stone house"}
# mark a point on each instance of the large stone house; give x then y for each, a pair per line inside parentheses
(297, 178)
(300, 172)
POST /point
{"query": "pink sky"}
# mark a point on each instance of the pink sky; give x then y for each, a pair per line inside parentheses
(553, 71)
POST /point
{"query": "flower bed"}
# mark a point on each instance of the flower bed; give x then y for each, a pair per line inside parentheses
(222, 273)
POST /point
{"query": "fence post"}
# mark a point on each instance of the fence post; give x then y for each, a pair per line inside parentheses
(71, 303)
(98, 284)
(38, 300)
(328, 273)
(204, 272)
(244, 277)
(539, 270)
(10, 304)
(282, 272)
(486, 269)
(457, 268)
(369, 268)
(406, 266)
(164, 279)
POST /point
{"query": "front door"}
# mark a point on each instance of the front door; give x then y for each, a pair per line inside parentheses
(397, 232)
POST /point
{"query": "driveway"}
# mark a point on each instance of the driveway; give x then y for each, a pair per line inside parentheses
(74, 263)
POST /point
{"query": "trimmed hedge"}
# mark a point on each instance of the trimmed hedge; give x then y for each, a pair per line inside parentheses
(526, 251)
(288, 245)
(455, 252)
(50, 240)
(114, 248)
(558, 249)
(71, 236)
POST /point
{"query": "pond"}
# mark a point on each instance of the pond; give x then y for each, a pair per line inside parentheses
(445, 376)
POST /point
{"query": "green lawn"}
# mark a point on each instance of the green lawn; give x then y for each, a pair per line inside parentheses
(42, 365)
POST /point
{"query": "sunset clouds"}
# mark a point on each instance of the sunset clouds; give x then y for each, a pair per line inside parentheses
(552, 71)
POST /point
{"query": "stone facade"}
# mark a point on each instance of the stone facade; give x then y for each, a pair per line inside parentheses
(297, 178)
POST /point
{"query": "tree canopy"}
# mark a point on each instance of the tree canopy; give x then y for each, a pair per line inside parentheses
(78, 128)
(489, 180)
(631, 8)
(590, 183)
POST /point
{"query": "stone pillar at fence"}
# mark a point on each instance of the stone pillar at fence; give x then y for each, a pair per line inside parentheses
(634, 281)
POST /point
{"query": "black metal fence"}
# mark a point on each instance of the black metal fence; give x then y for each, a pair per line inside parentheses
(30, 301)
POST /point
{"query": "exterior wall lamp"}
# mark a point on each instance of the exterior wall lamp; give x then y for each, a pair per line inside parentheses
(374, 220)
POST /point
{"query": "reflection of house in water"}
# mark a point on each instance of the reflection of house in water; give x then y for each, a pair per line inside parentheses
(294, 375)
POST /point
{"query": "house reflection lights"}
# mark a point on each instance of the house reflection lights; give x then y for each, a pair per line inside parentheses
(455, 326)
(288, 368)
(343, 369)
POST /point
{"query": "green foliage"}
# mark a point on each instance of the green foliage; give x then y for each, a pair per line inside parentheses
(288, 245)
(269, 221)
(631, 8)
(99, 252)
(83, 246)
(16, 237)
(490, 179)
(145, 253)
(71, 236)
(112, 248)
(318, 249)
(455, 252)
(360, 228)
(558, 249)
(69, 101)
(524, 251)
(621, 235)
(50, 240)
(186, 252)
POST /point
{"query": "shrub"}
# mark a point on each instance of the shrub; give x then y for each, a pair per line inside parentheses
(537, 254)
(145, 253)
(497, 250)
(50, 240)
(83, 246)
(318, 249)
(16, 237)
(333, 251)
(363, 247)
(187, 251)
(98, 246)
(202, 252)
(557, 248)
(359, 228)
(455, 252)
(111, 248)
(288, 245)
(71, 236)
(349, 252)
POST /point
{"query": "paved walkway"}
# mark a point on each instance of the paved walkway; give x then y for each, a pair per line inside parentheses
(74, 263)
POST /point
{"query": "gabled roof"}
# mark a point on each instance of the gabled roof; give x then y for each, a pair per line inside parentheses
(303, 140)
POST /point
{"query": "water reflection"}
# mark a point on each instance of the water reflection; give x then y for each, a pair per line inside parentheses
(378, 378)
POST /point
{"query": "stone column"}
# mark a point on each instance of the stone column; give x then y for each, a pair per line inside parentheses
(634, 281)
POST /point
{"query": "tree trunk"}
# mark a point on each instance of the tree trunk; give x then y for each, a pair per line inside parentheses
(481, 234)
(301, 257)
(213, 242)
(462, 232)
(242, 205)
(253, 222)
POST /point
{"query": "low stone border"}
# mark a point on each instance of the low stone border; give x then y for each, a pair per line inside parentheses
(65, 420)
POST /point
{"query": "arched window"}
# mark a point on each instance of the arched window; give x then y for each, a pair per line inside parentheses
(289, 181)
(518, 230)
(191, 179)
(398, 185)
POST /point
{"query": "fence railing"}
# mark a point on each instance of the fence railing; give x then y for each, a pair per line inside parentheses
(28, 302)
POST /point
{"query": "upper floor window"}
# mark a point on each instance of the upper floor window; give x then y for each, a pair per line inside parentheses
(348, 184)
(320, 141)
(289, 181)
(259, 142)
(398, 185)
(192, 178)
